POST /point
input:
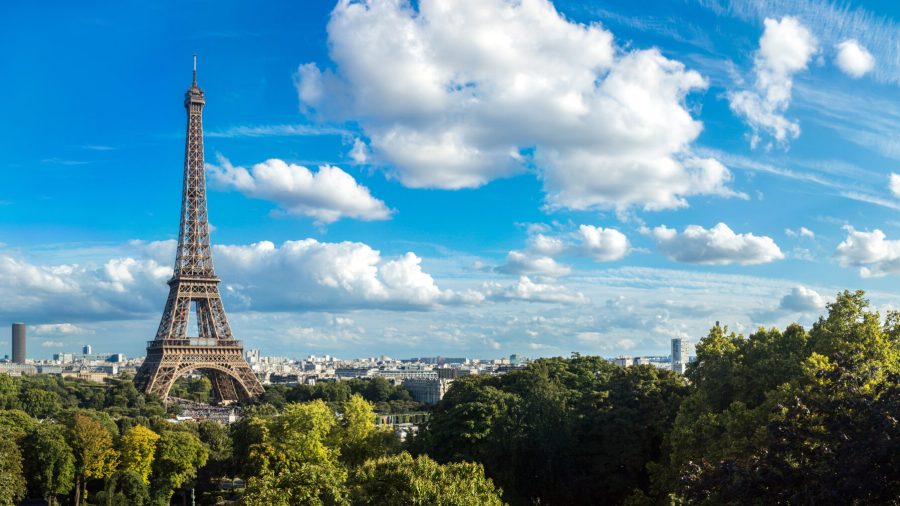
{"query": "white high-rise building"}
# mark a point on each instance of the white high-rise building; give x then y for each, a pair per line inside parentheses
(680, 354)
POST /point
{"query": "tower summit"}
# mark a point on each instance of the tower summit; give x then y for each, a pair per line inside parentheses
(213, 350)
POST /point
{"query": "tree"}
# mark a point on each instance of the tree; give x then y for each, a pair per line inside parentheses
(400, 479)
(16, 421)
(179, 455)
(12, 479)
(9, 392)
(137, 450)
(357, 428)
(125, 488)
(95, 457)
(808, 419)
(40, 403)
(295, 460)
(51, 466)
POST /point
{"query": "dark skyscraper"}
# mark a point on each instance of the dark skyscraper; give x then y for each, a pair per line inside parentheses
(18, 343)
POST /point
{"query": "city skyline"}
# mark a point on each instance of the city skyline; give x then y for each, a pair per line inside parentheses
(477, 198)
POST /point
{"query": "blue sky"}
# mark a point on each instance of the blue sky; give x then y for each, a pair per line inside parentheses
(464, 177)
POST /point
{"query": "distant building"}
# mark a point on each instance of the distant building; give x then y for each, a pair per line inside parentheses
(451, 372)
(623, 361)
(404, 375)
(64, 358)
(427, 391)
(18, 343)
(680, 354)
(354, 372)
(86, 350)
(14, 369)
(253, 356)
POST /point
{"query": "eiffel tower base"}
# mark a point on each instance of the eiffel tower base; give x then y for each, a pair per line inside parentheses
(228, 371)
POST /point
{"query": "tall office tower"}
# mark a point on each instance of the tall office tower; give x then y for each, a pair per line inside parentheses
(18, 343)
(213, 351)
(86, 350)
(680, 354)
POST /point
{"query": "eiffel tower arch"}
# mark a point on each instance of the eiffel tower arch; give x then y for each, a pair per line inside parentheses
(213, 350)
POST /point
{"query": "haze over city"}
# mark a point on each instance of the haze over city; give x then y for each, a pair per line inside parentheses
(558, 177)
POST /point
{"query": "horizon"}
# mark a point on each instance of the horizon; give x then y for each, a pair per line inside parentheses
(544, 179)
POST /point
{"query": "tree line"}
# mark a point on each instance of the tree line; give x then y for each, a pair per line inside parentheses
(791, 416)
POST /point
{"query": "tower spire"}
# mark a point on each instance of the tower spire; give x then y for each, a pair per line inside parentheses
(195, 70)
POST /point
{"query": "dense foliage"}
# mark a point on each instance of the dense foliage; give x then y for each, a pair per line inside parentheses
(776, 417)
(560, 431)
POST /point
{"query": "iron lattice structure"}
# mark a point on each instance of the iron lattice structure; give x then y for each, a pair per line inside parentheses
(214, 351)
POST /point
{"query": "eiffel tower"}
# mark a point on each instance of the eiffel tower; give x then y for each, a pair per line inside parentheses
(214, 352)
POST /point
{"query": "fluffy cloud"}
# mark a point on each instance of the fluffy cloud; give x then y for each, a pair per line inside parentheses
(116, 289)
(327, 195)
(894, 184)
(872, 252)
(853, 59)
(603, 244)
(528, 290)
(802, 300)
(546, 245)
(785, 48)
(453, 94)
(315, 275)
(520, 262)
(800, 232)
(715, 246)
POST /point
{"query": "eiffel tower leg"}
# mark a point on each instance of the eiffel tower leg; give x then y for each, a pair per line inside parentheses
(223, 386)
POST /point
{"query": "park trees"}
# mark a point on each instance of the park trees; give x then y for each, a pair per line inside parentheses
(420, 481)
(12, 477)
(137, 448)
(51, 466)
(179, 454)
(294, 459)
(798, 417)
(562, 431)
(92, 446)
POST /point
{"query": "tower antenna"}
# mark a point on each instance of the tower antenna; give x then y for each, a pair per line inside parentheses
(195, 69)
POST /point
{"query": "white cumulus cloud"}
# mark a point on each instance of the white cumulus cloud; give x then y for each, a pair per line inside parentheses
(521, 262)
(718, 245)
(327, 195)
(872, 252)
(853, 59)
(802, 300)
(456, 93)
(785, 48)
(603, 244)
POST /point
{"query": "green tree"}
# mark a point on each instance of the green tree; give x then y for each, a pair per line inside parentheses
(179, 455)
(357, 431)
(95, 457)
(50, 465)
(295, 460)
(40, 403)
(137, 449)
(12, 479)
(125, 488)
(809, 418)
(400, 479)
(9, 392)
(16, 421)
